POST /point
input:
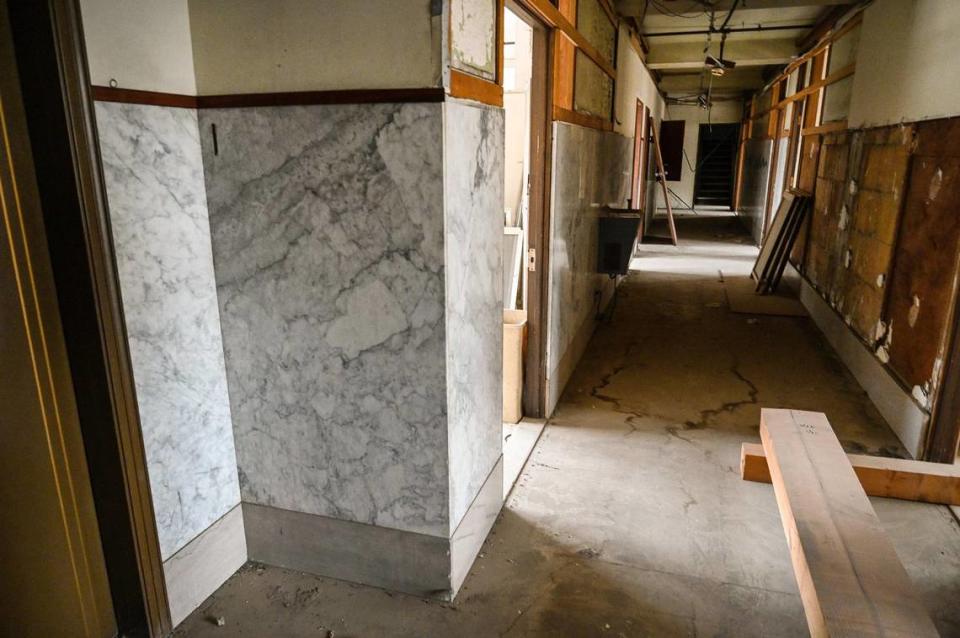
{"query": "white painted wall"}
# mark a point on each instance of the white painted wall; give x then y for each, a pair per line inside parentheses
(141, 44)
(908, 65)
(694, 116)
(252, 46)
(634, 82)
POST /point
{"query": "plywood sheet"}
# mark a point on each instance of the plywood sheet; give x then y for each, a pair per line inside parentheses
(923, 279)
(878, 165)
(827, 240)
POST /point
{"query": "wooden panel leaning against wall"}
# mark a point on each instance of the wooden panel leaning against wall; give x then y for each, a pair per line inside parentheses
(884, 248)
(924, 280)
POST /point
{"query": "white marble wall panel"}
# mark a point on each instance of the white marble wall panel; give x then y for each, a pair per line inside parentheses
(155, 187)
(756, 178)
(327, 227)
(473, 214)
(591, 169)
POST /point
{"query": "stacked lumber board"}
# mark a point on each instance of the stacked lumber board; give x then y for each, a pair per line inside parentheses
(879, 476)
(851, 580)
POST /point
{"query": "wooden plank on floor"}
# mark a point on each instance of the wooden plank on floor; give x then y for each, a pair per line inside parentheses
(851, 581)
(879, 476)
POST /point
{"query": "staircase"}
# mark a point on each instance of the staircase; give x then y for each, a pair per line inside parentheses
(716, 158)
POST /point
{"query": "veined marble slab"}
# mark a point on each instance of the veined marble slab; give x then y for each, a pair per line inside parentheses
(591, 169)
(328, 236)
(473, 213)
(158, 210)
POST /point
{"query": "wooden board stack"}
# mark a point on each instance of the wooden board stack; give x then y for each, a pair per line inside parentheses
(851, 580)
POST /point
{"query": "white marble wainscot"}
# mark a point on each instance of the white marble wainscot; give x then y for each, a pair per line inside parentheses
(473, 213)
(327, 226)
(591, 169)
(155, 188)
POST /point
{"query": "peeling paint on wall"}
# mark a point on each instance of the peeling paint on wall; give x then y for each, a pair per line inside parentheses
(914, 312)
(935, 182)
(473, 29)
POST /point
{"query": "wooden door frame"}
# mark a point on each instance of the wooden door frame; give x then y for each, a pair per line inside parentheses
(734, 146)
(538, 217)
(49, 47)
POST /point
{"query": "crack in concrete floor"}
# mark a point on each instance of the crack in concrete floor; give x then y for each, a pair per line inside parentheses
(610, 535)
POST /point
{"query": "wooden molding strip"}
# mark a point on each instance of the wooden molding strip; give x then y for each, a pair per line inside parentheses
(470, 87)
(293, 98)
(904, 479)
(829, 127)
(544, 10)
(836, 76)
(299, 98)
(150, 98)
(582, 119)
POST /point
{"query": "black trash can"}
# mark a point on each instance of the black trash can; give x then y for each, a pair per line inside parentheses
(617, 240)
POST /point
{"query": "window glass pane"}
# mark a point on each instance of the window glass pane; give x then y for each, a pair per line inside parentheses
(836, 100)
(592, 88)
(594, 23)
(791, 85)
(843, 52)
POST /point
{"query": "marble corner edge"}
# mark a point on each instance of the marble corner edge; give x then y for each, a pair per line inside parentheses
(475, 526)
(201, 566)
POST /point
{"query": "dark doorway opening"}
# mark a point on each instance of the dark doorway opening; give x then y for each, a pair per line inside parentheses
(716, 165)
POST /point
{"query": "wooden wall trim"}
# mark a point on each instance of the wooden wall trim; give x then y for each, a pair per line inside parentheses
(301, 98)
(150, 98)
(829, 127)
(470, 87)
(293, 98)
(581, 119)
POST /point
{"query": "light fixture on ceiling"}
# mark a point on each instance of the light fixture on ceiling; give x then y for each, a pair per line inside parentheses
(718, 65)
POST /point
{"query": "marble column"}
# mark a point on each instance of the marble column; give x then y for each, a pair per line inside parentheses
(356, 281)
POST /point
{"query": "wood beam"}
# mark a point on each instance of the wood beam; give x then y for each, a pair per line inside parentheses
(904, 479)
(469, 87)
(582, 119)
(851, 581)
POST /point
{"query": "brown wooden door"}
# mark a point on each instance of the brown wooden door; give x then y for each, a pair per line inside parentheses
(671, 148)
(54, 577)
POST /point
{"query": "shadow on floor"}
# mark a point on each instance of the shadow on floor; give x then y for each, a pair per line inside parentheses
(630, 518)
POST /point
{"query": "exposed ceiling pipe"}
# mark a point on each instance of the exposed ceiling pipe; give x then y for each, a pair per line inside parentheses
(759, 27)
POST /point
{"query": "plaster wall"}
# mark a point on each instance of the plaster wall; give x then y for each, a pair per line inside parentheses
(251, 46)
(142, 45)
(906, 63)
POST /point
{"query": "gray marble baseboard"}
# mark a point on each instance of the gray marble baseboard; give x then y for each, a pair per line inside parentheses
(205, 563)
(393, 559)
(908, 421)
(475, 526)
(398, 560)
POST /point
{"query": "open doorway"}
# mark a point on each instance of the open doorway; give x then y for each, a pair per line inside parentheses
(716, 165)
(525, 236)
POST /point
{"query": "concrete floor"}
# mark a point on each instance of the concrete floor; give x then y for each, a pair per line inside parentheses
(630, 518)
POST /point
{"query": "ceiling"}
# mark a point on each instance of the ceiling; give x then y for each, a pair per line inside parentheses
(761, 37)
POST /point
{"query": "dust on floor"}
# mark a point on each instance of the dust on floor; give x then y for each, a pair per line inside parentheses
(630, 518)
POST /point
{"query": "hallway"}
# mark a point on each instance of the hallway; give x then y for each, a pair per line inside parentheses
(630, 518)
